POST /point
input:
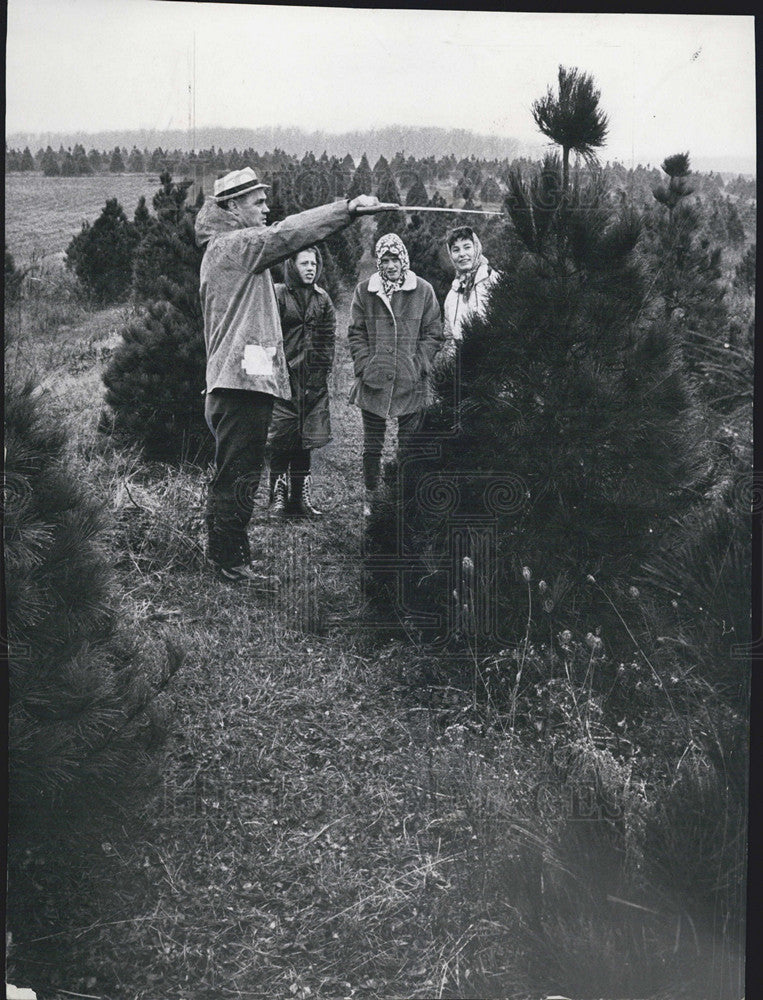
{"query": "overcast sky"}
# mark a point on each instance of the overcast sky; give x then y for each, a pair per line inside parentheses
(668, 82)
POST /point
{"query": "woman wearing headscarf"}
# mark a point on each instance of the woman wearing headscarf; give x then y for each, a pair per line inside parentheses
(469, 293)
(299, 424)
(395, 332)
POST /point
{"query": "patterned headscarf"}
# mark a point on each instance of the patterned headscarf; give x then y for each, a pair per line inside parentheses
(391, 243)
(466, 281)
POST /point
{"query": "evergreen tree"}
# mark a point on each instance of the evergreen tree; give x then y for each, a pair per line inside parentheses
(572, 118)
(135, 164)
(116, 163)
(687, 272)
(389, 222)
(744, 275)
(68, 166)
(734, 227)
(81, 726)
(152, 402)
(362, 180)
(95, 160)
(82, 166)
(50, 166)
(101, 255)
(417, 193)
(157, 161)
(153, 385)
(490, 191)
(26, 163)
(569, 446)
(381, 170)
(142, 217)
(12, 160)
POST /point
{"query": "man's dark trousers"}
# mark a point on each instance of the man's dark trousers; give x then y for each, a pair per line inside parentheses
(239, 420)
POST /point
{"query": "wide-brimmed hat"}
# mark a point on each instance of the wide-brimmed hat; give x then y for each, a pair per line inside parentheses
(237, 183)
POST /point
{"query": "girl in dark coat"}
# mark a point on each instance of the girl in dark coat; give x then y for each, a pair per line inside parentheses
(301, 423)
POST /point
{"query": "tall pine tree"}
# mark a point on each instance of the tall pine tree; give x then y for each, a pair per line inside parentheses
(571, 440)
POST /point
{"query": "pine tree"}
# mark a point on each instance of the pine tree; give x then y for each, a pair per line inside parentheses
(26, 163)
(734, 227)
(50, 166)
(417, 193)
(572, 444)
(142, 217)
(135, 164)
(95, 160)
(687, 272)
(490, 191)
(362, 180)
(81, 726)
(153, 403)
(101, 255)
(153, 385)
(389, 222)
(68, 167)
(572, 118)
(381, 170)
(116, 163)
(744, 274)
(82, 165)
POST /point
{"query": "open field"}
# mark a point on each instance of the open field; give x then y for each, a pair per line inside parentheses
(43, 213)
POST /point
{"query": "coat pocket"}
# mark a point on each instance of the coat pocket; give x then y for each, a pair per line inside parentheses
(378, 373)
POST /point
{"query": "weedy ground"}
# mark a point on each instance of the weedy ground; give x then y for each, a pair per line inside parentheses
(324, 823)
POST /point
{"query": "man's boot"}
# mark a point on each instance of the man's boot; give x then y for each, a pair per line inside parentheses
(279, 495)
(300, 501)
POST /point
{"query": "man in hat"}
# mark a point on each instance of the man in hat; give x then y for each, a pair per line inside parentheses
(246, 367)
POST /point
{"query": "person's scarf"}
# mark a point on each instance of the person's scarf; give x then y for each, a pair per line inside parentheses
(466, 281)
(391, 243)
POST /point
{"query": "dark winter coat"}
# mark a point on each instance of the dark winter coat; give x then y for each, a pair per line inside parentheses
(242, 328)
(393, 342)
(308, 322)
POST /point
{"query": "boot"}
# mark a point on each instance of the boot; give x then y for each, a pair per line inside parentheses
(279, 495)
(300, 501)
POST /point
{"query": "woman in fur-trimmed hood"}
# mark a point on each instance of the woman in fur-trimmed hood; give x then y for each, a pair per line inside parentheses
(302, 423)
(395, 332)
